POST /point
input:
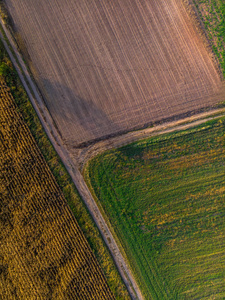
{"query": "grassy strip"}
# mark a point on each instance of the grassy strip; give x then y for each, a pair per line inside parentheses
(63, 179)
(164, 197)
(212, 14)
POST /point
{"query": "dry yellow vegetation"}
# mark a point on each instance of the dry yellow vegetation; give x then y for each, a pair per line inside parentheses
(43, 252)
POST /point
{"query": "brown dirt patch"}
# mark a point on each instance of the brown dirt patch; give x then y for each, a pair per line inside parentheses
(111, 66)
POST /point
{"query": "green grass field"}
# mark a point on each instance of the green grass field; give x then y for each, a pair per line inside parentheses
(164, 197)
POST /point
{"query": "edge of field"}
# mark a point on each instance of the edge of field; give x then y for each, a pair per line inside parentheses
(118, 240)
(198, 21)
(162, 135)
(70, 192)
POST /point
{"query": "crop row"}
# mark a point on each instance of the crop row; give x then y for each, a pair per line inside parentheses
(165, 198)
(44, 252)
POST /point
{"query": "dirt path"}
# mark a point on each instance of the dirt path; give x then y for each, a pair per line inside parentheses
(82, 156)
(72, 168)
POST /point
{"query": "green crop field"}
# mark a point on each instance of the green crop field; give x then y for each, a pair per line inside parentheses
(212, 14)
(164, 197)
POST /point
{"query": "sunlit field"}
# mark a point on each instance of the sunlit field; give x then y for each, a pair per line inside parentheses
(164, 197)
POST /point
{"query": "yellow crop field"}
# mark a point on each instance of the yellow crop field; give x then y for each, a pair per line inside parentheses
(43, 252)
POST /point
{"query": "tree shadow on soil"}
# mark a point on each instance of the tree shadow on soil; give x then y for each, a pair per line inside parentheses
(85, 117)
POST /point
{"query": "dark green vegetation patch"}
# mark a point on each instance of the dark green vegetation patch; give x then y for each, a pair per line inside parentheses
(164, 197)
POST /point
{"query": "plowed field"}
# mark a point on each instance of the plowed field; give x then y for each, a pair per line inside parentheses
(109, 66)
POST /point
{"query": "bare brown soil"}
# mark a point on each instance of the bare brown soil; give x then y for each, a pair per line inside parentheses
(112, 66)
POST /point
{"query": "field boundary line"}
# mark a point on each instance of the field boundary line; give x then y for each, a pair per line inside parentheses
(70, 165)
(84, 155)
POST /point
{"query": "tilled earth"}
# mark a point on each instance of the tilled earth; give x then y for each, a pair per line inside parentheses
(105, 67)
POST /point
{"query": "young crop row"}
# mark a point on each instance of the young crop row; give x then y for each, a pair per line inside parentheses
(44, 253)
